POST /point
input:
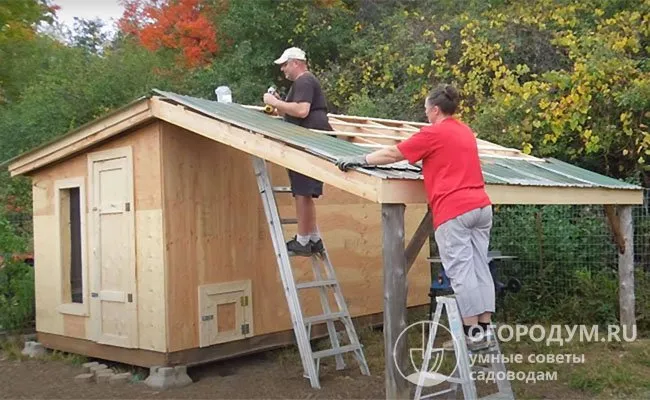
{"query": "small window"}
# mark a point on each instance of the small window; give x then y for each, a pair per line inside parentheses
(70, 209)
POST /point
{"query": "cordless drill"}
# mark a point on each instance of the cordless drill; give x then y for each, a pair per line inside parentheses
(268, 109)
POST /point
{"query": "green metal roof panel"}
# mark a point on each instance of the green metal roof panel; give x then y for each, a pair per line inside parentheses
(496, 169)
(256, 121)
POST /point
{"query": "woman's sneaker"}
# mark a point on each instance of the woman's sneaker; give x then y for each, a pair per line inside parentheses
(486, 342)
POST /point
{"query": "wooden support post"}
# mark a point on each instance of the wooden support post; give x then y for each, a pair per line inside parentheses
(395, 293)
(419, 237)
(626, 270)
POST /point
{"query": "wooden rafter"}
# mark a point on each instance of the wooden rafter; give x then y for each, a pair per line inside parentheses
(376, 133)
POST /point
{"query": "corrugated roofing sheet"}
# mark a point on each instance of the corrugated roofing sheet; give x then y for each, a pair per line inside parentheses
(496, 169)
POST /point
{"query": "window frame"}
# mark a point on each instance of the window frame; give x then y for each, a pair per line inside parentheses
(66, 306)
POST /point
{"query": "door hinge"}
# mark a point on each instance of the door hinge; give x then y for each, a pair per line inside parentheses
(130, 297)
(244, 301)
(93, 294)
(127, 206)
(245, 329)
(207, 317)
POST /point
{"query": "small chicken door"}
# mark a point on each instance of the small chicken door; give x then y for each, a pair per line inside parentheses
(225, 312)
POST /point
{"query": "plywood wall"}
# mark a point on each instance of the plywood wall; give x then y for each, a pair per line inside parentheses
(216, 231)
(145, 143)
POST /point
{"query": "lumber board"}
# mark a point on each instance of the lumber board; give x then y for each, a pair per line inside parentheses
(615, 225)
(421, 235)
(626, 272)
(151, 277)
(412, 192)
(138, 357)
(395, 300)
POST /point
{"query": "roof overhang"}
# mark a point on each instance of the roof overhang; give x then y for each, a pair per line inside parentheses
(376, 185)
(412, 191)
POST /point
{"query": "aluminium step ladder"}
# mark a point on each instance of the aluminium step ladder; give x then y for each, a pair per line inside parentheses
(462, 375)
(324, 281)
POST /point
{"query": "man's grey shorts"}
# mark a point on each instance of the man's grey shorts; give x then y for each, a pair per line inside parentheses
(463, 247)
(302, 185)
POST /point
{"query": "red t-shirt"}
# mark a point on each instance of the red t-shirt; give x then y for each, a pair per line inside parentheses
(451, 167)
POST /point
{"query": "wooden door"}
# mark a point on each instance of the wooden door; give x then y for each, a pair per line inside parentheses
(225, 312)
(113, 296)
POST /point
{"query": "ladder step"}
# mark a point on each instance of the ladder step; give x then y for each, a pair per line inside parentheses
(314, 284)
(288, 221)
(445, 391)
(497, 396)
(325, 317)
(333, 352)
(282, 189)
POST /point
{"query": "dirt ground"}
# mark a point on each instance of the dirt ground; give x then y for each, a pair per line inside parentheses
(609, 373)
(259, 376)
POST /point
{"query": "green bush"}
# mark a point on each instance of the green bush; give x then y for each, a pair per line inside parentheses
(16, 279)
(16, 296)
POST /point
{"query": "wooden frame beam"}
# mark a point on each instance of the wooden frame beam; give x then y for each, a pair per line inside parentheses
(412, 192)
(395, 301)
(418, 239)
(626, 271)
(615, 226)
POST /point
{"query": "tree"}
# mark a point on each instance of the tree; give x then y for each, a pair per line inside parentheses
(88, 35)
(18, 18)
(183, 26)
(18, 22)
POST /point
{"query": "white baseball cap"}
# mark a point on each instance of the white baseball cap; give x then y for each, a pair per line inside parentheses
(291, 53)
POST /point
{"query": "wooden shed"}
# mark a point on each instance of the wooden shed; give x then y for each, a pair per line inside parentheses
(148, 221)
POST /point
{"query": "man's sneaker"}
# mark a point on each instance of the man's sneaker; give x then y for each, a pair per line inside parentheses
(298, 249)
(317, 247)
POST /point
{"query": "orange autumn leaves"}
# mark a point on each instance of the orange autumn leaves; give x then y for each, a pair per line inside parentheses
(184, 26)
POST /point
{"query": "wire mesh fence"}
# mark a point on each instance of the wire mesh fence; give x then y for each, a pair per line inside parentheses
(556, 244)
(566, 259)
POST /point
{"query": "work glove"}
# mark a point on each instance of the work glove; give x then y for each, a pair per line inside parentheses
(346, 163)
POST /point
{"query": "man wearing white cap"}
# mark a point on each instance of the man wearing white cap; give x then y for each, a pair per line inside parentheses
(305, 105)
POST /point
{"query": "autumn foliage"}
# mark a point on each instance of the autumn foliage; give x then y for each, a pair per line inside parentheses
(184, 26)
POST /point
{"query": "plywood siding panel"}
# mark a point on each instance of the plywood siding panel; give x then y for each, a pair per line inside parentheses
(47, 276)
(145, 144)
(151, 280)
(213, 230)
(43, 183)
(74, 326)
(216, 231)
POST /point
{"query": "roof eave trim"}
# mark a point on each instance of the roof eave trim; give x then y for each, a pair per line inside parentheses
(83, 137)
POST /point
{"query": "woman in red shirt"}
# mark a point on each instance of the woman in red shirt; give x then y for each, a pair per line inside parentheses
(462, 212)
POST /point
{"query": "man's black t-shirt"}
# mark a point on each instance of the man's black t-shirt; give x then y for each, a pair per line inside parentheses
(307, 89)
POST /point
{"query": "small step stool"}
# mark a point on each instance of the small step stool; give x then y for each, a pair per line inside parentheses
(462, 375)
(324, 281)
